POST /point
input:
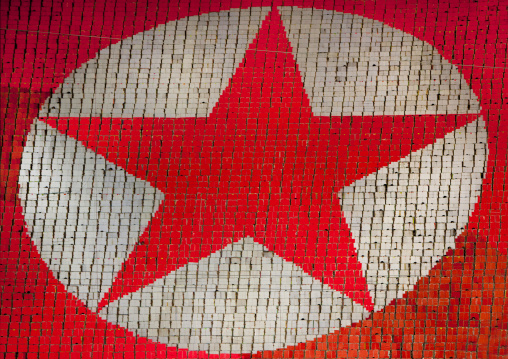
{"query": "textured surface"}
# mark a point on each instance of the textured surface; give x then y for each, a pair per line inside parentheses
(241, 298)
(352, 65)
(191, 179)
(178, 69)
(84, 214)
(406, 216)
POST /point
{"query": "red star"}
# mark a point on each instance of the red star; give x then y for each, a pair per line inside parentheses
(260, 165)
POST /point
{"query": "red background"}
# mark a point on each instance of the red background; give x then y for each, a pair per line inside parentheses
(459, 311)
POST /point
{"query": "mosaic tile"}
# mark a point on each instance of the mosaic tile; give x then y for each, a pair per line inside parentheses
(191, 179)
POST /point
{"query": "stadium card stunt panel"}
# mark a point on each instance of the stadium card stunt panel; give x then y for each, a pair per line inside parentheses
(252, 179)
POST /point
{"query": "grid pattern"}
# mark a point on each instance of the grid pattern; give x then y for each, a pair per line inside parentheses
(275, 181)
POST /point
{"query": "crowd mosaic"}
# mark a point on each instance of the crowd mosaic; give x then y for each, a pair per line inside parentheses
(274, 180)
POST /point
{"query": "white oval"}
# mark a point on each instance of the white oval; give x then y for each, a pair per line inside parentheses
(158, 73)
